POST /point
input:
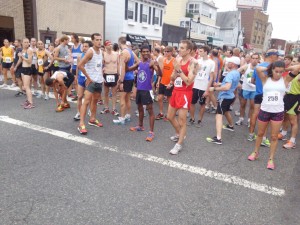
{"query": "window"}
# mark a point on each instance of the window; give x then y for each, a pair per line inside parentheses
(258, 40)
(193, 8)
(145, 14)
(205, 10)
(130, 10)
(254, 40)
(156, 16)
(185, 24)
(256, 26)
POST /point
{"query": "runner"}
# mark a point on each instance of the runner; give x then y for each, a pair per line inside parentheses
(144, 94)
(226, 98)
(272, 107)
(6, 54)
(163, 83)
(60, 81)
(110, 78)
(76, 51)
(291, 108)
(203, 80)
(270, 57)
(248, 89)
(25, 57)
(183, 79)
(61, 54)
(91, 66)
(18, 67)
(42, 59)
(126, 79)
(81, 79)
(34, 71)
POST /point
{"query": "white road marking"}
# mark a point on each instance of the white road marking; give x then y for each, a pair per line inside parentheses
(147, 157)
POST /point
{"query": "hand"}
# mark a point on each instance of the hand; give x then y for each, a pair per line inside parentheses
(216, 84)
(205, 94)
(88, 81)
(121, 87)
(15, 69)
(157, 85)
(169, 86)
(212, 89)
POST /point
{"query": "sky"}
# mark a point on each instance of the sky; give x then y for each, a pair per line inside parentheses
(283, 15)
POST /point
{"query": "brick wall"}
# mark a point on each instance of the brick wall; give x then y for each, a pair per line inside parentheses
(14, 8)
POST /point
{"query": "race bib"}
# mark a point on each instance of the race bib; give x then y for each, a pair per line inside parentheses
(178, 82)
(98, 65)
(7, 60)
(40, 62)
(110, 78)
(201, 75)
(75, 62)
(273, 98)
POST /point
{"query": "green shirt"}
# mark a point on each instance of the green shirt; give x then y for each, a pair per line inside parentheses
(295, 86)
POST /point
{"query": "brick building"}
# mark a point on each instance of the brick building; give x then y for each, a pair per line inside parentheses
(278, 44)
(49, 19)
(255, 25)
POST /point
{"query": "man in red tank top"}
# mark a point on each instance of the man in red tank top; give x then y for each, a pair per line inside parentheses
(185, 70)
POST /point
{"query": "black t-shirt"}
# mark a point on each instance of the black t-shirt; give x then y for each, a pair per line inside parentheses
(16, 59)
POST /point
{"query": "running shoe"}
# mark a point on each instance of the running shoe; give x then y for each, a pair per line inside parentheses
(105, 110)
(213, 111)
(271, 165)
(127, 118)
(20, 93)
(46, 97)
(289, 145)
(119, 121)
(82, 130)
(75, 98)
(253, 156)
(71, 95)
(29, 106)
(95, 123)
(282, 137)
(100, 102)
(137, 128)
(176, 149)
(191, 122)
(265, 143)
(237, 113)
(252, 137)
(60, 108)
(25, 103)
(159, 116)
(198, 124)
(13, 85)
(39, 95)
(166, 119)
(175, 138)
(77, 116)
(115, 112)
(67, 106)
(239, 122)
(150, 136)
(3, 86)
(214, 140)
(227, 127)
(35, 93)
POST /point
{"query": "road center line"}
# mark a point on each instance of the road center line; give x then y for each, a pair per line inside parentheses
(147, 157)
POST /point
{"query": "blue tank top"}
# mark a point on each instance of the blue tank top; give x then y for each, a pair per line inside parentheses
(79, 71)
(129, 75)
(144, 76)
(75, 53)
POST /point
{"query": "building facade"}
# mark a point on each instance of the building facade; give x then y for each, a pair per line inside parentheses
(267, 43)
(197, 16)
(255, 24)
(230, 28)
(279, 44)
(139, 20)
(46, 20)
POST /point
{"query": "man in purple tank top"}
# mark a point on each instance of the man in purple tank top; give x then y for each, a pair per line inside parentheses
(144, 95)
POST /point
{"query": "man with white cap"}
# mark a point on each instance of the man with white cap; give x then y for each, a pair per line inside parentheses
(225, 99)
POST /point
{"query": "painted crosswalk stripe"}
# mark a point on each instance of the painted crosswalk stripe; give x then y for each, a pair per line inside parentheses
(151, 158)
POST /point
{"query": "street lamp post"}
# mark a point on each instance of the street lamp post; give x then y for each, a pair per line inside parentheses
(190, 26)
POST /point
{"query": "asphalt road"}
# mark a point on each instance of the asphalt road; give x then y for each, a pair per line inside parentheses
(113, 176)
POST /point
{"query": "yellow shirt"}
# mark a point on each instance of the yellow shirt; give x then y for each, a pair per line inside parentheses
(40, 60)
(7, 54)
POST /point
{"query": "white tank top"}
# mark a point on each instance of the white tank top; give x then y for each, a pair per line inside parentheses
(94, 67)
(273, 93)
(247, 85)
(54, 76)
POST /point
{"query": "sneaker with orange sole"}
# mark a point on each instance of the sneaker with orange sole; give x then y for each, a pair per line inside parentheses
(289, 145)
(150, 136)
(282, 137)
(59, 108)
(95, 123)
(82, 130)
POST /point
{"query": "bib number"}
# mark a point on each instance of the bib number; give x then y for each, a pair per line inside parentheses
(273, 98)
(7, 60)
(201, 75)
(98, 66)
(110, 78)
(40, 62)
(178, 82)
(75, 62)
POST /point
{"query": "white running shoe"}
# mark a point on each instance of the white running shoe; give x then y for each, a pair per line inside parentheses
(119, 121)
(177, 148)
(240, 121)
(46, 97)
(3, 86)
(77, 116)
(13, 85)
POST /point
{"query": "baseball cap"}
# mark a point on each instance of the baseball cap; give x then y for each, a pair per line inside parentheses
(272, 52)
(234, 59)
(107, 43)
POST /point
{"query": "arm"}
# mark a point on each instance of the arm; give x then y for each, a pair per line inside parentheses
(225, 87)
(294, 71)
(124, 58)
(242, 69)
(78, 61)
(55, 93)
(261, 73)
(55, 55)
(63, 88)
(135, 65)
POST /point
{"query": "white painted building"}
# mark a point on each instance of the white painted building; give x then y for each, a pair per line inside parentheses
(136, 19)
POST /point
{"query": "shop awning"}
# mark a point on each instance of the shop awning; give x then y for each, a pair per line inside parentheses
(137, 39)
(215, 42)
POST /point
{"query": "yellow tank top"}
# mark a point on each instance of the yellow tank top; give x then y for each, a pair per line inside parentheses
(40, 60)
(7, 54)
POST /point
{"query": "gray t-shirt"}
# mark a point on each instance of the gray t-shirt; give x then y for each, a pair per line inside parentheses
(63, 53)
